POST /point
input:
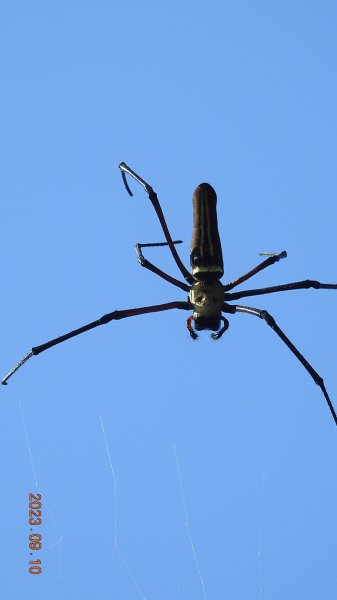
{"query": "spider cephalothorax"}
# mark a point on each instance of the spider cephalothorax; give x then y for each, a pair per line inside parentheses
(206, 298)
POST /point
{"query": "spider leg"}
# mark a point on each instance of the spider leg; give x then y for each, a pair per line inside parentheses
(219, 334)
(113, 316)
(190, 328)
(273, 258)
(155, 203)
(263, 314)
(296, 285)
(145, 263)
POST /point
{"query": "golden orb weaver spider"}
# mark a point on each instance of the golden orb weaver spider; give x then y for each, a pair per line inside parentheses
(207, 296)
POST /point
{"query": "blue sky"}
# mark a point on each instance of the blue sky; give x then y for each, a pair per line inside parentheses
(168, 469)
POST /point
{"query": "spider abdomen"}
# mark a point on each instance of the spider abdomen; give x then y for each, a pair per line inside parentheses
(206, 253)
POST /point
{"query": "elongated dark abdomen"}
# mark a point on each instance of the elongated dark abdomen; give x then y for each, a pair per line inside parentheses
(206, 254)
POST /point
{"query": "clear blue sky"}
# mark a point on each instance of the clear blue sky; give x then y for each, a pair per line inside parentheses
(133, 430)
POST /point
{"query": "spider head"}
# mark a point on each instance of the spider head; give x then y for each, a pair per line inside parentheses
(212, 323)
(201, 323)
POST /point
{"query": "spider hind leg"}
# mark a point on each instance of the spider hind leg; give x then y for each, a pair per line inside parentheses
(263, 314)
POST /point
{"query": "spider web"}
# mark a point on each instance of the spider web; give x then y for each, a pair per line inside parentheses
(187, 524)
(122, 556)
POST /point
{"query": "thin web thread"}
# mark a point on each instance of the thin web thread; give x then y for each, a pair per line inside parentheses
(259, 552)
(125, 564)
(60, 538)
(28, 443)
(187, 524)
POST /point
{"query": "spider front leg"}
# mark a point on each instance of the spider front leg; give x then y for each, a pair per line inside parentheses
(263, 314)
(190, 328)
(219, 334)
(156, 205)
(116, 315)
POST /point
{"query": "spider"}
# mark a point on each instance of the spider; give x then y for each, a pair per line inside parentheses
(207, 296)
